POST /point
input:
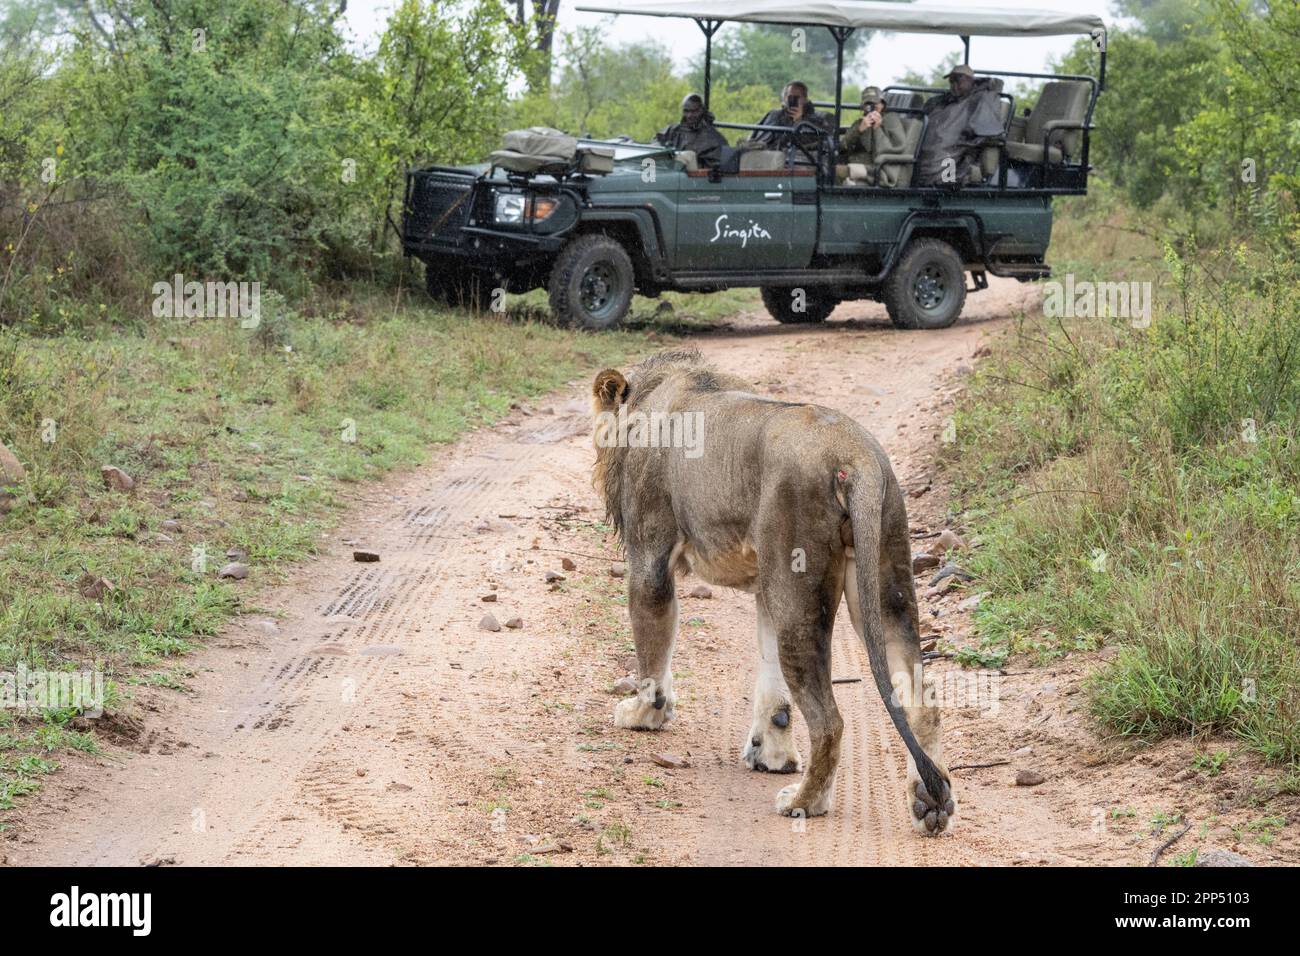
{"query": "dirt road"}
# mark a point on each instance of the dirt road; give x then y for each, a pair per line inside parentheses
(377, 722)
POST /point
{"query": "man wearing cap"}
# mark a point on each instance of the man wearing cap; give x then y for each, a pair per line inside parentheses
(877, 133)
(960, 121)
(695, 132)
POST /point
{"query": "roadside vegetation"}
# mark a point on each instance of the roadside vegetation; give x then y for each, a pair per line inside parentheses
(245, 141)
(1139, 485)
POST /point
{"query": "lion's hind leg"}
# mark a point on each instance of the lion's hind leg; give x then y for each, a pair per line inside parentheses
(652, 606)
(803, 630)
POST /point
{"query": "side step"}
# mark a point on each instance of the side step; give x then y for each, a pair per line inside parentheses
(1024, 271)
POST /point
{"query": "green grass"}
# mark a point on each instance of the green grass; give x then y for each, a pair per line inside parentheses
(249, 440)
(1141, 487)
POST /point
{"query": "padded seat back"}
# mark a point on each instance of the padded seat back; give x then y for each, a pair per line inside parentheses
(762, 160)
(989, 154)
(1060, 100)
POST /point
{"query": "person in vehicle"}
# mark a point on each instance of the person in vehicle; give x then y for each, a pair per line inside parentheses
(695, 132)
(878, 132)
(795, 108)
(959, 123)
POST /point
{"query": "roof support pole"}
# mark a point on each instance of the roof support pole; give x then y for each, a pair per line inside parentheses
(965, 41)
(840, 34)
(709, 27)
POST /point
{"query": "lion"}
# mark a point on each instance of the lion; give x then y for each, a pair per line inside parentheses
(794, 503)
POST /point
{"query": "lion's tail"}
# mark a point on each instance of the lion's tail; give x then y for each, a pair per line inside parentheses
(865, 496)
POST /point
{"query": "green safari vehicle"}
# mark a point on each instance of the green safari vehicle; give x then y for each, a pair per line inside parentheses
(595, 221)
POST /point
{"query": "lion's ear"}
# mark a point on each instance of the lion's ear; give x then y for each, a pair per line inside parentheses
(609, 389)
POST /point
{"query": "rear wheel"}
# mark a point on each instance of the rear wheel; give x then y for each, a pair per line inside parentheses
(927, 288)
(591, 284)
(796, 306)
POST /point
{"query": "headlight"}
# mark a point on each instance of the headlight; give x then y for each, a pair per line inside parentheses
(514, 208)
(509, 208)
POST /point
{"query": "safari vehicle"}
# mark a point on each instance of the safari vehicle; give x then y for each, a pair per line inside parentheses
(595, 221)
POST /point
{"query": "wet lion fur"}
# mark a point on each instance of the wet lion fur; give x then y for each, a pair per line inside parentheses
(795, 503)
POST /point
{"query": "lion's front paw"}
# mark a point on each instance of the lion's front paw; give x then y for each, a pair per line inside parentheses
(789, 803)
(650, 709)
(930, 815)
(770, 746)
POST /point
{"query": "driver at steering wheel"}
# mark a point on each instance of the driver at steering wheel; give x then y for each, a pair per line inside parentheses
(795, 108)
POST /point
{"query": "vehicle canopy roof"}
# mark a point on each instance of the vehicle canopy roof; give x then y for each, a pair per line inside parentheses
(901, 17)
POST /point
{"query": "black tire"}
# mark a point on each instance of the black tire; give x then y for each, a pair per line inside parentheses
(927, 288)
(456, 286)
(780, 304)
(591, 283)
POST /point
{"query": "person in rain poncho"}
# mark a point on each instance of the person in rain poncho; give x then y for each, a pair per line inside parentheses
(960, 121)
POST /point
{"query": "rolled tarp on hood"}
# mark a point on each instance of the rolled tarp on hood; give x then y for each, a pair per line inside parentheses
(902, 17)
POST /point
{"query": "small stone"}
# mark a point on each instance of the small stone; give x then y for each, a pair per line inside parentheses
(12, 471)
(332, 649)
(237, 554)
(970, 603)
(625, 685)
(171, 525)
(949, 540)
(951, 571)
(115, 479)
(928, 646)
(924, 562)
(489, 623)
(1184, 775)
(671, 761)
(515, 623)
(489, 598)
(554, 577)
(234, 570)
(1218, 857)
(701, 591)
(617, 570)
(568, 564)
(1029, 778)
(94, 587)
(1022, 753)
(365, 555)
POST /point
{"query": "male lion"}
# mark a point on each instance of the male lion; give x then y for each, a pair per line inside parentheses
(789, 502)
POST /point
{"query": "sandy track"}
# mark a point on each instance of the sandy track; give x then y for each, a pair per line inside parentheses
(380, 724)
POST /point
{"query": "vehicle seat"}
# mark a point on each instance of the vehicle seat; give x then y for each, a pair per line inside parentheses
(762, 160)
(1063, 103)
(901, 162)
(989, 155)
(904, 99)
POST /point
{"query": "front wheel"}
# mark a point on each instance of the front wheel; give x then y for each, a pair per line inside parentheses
(798, 306)
(591, 284)
(927, 288)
